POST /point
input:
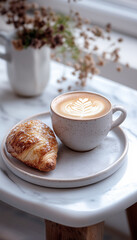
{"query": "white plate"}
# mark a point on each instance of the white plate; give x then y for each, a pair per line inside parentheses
(74, 169)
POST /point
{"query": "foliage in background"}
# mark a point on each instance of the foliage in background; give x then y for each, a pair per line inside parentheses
(37, 26)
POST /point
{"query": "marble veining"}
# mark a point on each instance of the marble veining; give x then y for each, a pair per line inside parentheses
(80, 206)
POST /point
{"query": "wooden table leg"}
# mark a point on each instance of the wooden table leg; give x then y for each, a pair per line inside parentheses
(132, 219)
(55, 231)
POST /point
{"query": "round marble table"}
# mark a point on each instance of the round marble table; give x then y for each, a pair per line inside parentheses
(75, 208)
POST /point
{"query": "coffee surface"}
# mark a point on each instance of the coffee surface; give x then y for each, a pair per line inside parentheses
(81, 105)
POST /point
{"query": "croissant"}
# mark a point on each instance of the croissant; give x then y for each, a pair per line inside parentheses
(33, 143)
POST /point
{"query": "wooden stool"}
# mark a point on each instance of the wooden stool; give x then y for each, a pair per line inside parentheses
(55, 231)
(132, 219)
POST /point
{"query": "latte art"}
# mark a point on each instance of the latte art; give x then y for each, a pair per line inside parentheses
(83, 107)
(82, 120)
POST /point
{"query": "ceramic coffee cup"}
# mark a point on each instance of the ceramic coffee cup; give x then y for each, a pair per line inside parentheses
(82, 120)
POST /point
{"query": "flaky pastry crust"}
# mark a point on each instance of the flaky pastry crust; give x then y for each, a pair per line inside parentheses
(33, 143)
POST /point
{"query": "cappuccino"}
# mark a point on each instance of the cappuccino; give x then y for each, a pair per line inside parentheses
(81, 120)
(81, 105)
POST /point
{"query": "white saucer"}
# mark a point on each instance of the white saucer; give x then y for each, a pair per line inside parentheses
(74, 169)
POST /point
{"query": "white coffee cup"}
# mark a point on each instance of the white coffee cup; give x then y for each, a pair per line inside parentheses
(82, 120)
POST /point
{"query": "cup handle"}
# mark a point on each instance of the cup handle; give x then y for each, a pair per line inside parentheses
(120, 118)
(5, 56)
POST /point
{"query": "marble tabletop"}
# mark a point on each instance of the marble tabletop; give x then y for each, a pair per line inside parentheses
(78, 206)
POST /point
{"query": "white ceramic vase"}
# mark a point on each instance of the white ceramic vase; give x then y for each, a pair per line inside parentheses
(28, 69)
